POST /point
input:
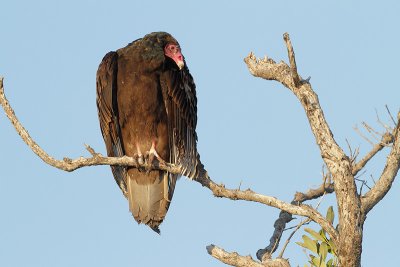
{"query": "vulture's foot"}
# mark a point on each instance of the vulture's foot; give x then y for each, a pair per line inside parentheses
(151, 154)
(139, 160)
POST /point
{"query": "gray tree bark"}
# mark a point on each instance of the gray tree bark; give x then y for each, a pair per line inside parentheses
(352, 206)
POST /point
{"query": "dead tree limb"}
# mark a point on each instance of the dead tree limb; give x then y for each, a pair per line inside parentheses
(218, 190)
(387, 139)
(285, 217)
(385, 181)
(234, 259)
(68, 164)
(350, 207)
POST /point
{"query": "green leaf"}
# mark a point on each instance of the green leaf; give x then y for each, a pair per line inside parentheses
(330, 215)
(316, 261)
(310, 244)
(323, 234)
(332, 247)
(323, 251)
(318, 236)
(304, 245)
(330, 263)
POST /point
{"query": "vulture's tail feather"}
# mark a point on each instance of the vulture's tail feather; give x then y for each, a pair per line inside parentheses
(149, 196)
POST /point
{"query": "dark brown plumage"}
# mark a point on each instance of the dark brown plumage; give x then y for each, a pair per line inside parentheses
(147, 108)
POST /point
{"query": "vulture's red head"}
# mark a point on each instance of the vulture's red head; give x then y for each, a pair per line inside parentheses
(158, 48)
(173, 51)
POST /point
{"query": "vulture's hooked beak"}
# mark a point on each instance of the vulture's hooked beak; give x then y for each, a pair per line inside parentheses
(180, 64)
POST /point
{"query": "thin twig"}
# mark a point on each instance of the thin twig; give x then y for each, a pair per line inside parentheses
(372, 178)
(362, 135)
(292, 59)
(352, 159)
(306, 221)
(294, 226)
(298, 227)
(387, 127)
(390, 114)
(371, 130)
(91, 151)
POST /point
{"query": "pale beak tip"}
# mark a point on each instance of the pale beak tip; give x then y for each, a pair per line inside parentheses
(180, 64)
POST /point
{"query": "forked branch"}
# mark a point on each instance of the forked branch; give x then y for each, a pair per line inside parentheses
(387, 139)
(285, 217)
(337, 162)
(385, 181)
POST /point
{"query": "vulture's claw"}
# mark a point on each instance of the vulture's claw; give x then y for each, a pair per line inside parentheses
(151, 154)
(139, 160)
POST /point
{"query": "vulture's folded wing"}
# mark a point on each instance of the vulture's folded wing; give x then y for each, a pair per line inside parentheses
(179, 93)
(106, 84)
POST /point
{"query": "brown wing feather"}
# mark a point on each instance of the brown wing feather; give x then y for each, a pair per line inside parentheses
(179, 92)
(106, 85)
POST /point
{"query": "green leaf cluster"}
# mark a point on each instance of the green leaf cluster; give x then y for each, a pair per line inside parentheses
(323, 249)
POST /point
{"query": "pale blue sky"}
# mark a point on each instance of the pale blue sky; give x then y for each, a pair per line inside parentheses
(251, 132)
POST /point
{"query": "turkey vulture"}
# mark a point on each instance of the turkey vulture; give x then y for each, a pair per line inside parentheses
(147, 107)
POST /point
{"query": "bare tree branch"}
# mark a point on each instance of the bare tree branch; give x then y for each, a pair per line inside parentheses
(302, 210)
(384, 183)
(362, 135)
(387, 139)
(72, 164)
(204, 179)
(324, 188)
(234, 259)
(279, 226)
(308, 220)
(285, 217)
(291, 235)
(292, 60)
(338, 163)
(281, 72)
(390, 114)
(375, 134)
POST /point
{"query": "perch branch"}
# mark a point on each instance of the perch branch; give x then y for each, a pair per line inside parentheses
(385, 181)
(204, 179)
(71, 164)
(234, 259)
